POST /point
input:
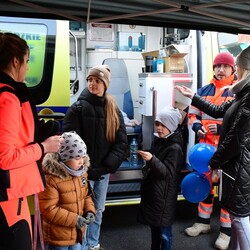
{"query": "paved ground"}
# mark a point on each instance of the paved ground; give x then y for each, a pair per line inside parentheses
(121, 231)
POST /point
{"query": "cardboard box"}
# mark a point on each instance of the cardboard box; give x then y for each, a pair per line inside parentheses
(173, 64)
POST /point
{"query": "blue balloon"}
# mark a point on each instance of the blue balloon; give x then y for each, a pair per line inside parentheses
(195, 187)
(200, 155)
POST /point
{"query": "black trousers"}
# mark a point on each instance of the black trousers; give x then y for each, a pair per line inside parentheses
(16, 237)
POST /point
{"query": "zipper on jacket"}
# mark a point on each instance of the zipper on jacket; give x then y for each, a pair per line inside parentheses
(19, 207)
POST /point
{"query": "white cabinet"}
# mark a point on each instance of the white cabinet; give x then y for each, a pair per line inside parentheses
(154, 93)
(157, 90)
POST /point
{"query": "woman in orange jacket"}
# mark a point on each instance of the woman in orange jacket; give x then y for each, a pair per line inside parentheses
(20, 149)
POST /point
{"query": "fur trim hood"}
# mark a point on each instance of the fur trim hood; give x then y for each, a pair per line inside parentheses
(52, 166)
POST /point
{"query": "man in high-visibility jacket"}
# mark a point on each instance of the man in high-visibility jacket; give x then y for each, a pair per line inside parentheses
(207, 130)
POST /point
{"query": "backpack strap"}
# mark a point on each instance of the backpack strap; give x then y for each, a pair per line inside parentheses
(78, 108)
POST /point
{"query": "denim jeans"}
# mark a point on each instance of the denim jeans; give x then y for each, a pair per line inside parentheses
(73, 247)
(161, 238)
(240, 239)
(92, 232)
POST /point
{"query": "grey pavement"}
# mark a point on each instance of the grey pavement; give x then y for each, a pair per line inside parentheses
(121, 231)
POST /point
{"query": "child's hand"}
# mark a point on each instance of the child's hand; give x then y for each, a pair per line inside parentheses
(146, 156)
(81, 222)
(90, 217)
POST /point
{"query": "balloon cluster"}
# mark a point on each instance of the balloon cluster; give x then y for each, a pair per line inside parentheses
(196, 186)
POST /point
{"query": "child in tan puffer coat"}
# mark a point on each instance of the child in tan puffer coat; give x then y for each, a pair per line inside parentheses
(66, 205)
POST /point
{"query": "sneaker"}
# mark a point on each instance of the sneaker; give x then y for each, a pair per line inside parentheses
(222, 241)
(197, 229)
(97, 247)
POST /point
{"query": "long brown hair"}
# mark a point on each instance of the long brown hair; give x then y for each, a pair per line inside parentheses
(11, 45)
(112, 118)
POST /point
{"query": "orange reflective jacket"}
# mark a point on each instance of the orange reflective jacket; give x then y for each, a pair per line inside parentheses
(211, 92)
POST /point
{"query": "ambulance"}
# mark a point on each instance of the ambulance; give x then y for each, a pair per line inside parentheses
(62, 52)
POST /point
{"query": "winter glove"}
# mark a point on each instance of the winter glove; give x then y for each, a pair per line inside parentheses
(196, 126)
(81, 222)
(95, 174)
(90, 217)
(47, 129)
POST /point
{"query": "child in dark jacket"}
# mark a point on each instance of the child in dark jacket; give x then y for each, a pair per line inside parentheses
(65, 204)
(160, 185)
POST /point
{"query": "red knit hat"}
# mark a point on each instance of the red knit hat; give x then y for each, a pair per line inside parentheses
(224, 58)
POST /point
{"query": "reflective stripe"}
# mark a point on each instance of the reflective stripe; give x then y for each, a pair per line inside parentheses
(193, 111)
(194, 115)
(197, 121)
(208, 117)
(225, 218)
(205, 210)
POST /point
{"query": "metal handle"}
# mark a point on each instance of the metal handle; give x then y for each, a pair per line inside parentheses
(76, 60)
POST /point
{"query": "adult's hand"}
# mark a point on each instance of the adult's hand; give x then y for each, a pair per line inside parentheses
(185, 91)
(213, 128)
(201, 133)
(52, 144)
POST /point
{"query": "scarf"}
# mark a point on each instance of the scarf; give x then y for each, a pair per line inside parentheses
(73, 172)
